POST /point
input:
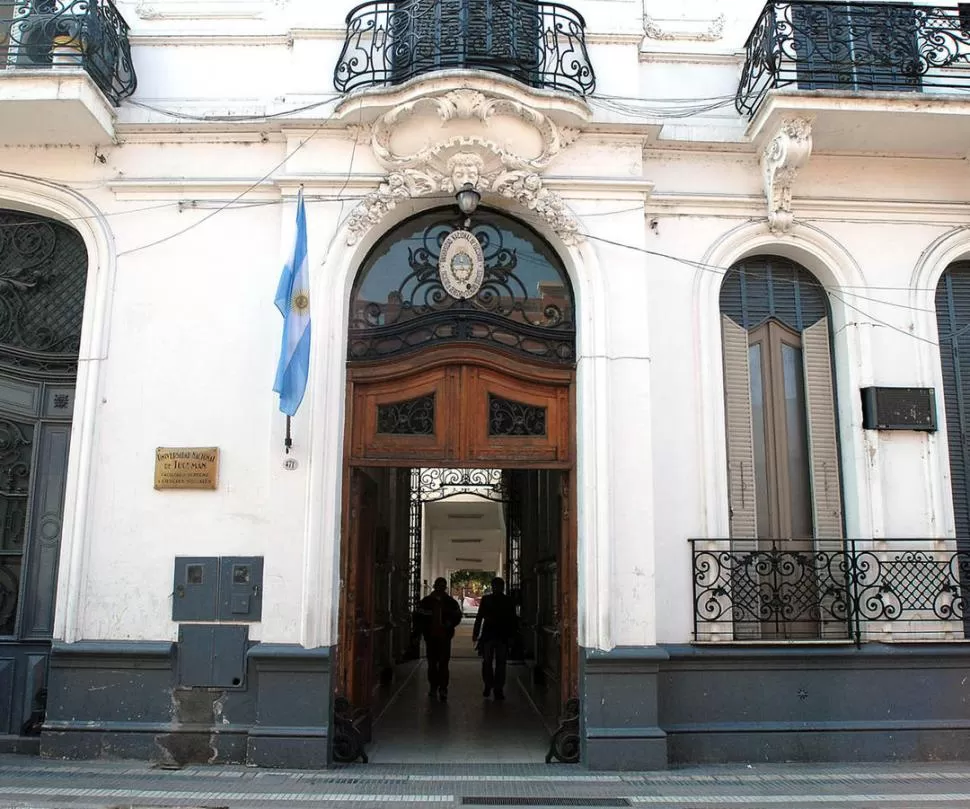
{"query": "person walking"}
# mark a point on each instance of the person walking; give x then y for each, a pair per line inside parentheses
(436, 617)
(496, 625)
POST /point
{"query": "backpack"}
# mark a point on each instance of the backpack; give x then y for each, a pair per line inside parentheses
(437, 627)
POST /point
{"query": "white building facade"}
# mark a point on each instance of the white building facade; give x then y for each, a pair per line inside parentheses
(749, 476)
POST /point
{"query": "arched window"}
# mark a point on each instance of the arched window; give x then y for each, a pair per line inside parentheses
(783, 465)
(524, 305)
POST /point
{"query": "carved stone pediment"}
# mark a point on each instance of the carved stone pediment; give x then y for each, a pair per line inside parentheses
(497, 137)
(431, 129)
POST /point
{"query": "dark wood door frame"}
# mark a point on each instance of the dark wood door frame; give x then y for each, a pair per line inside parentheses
(469, 371)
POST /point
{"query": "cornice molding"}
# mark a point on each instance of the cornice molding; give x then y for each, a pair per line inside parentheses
(174, 38)
(614, 38)
(816, 208)
(206, 9)
(732, 58)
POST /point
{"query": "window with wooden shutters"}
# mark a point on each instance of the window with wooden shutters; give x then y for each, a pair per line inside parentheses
(740, 444)
(953, 323)
(782, 447)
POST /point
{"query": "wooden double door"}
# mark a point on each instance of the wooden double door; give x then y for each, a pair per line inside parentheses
(455, 407)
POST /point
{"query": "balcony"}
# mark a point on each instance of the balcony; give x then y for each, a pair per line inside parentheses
(849, 590)
(540, 44)
(64, 64)
(873, 77)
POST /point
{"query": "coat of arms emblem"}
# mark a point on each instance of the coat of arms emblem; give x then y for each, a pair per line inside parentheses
(461, 265)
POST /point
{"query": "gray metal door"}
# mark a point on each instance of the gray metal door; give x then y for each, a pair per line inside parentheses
(43, 269)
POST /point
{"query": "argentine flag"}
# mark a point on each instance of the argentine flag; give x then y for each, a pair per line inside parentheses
(293, 301)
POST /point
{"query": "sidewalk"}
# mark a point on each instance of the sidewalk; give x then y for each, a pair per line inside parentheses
(34, 782)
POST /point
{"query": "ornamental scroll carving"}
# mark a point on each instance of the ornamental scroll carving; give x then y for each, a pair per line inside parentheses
(689, 30)
(497, 144)
(781, 159)
(524, 187)
(478, 108)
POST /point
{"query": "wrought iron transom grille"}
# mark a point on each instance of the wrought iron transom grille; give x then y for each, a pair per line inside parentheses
(43, 272)
(410, 417)
(525, 304)
(433, 484)
(506, 417)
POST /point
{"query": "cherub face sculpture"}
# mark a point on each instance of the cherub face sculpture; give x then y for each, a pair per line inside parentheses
(466, 169)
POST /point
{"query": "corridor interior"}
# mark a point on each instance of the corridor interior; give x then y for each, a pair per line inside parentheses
(466, 525)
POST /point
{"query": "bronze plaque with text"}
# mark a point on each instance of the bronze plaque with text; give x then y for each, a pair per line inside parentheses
(186, 467)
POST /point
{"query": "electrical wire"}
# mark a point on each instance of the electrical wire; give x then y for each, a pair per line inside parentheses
(234, 204)
(233, 118)
(629, 105)
(84, 218)
(884, 323)
(663, 112)
(217, 211)
(700, 265)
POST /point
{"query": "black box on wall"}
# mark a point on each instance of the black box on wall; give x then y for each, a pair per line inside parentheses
(899, 409)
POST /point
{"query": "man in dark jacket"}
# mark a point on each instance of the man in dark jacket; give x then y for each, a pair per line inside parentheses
(495, 627)
(436, 617)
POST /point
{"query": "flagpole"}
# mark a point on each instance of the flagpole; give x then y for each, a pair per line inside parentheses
(293, 301)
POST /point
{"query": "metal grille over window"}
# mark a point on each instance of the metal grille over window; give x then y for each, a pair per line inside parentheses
(537, 43)
(854, 46)
(42, 280)
(842, 588)
(412, 417)
(524, 305)
(506, 417)
(16, 447)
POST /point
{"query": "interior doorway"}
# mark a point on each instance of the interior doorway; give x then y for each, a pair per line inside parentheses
(460, 410)
(412, 526)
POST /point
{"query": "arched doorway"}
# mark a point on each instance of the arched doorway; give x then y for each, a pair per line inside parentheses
(480, 380)
(43, 273)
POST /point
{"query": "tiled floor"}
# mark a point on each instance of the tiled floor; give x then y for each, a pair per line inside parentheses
(467, 729)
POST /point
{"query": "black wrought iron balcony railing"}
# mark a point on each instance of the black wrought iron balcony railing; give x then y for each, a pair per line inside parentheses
(88, 34)
(540, 44)
(892, 47)
(748, 589)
